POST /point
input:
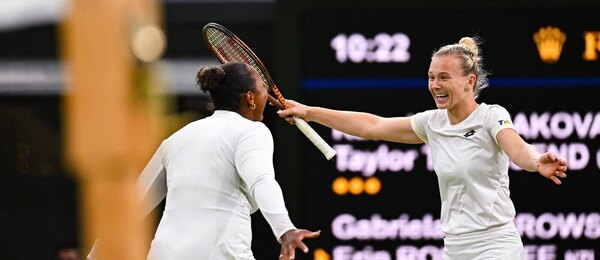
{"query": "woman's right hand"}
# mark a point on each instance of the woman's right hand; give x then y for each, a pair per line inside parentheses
(296, 110)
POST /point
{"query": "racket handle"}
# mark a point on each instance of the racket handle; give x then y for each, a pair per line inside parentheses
(315, 138)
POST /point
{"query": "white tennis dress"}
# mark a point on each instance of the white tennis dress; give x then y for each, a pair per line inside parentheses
(215, 172)
(477, 212)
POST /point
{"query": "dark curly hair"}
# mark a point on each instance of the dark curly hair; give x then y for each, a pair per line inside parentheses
(226, 84)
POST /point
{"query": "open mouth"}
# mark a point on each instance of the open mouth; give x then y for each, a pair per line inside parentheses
(441, 97)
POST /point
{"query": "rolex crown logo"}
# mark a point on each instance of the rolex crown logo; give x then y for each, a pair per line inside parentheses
(549, 41)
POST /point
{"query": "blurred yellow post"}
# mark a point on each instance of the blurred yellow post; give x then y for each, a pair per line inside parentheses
(111, 126)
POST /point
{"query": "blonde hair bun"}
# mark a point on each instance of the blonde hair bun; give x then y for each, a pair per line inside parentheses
(471, 44)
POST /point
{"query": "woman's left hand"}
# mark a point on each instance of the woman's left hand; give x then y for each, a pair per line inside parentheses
(292, 239)
(552, 167)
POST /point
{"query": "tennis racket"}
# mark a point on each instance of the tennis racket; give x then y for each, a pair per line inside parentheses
(228, 47)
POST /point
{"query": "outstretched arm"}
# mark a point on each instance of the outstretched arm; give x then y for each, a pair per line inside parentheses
(254, 162)
(365, 125)
(528, 158)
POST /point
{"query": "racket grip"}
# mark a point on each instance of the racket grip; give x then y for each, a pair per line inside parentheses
(315, 138)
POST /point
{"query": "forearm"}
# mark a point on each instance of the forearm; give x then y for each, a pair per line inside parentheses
(353, 123)
(269, 198)
(527, 158)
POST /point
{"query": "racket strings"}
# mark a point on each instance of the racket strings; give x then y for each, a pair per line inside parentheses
(229, 50)
(227, 47)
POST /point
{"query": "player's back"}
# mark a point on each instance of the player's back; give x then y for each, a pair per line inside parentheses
(207, 213)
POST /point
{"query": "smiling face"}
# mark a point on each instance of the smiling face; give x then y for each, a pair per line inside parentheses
(450, 87)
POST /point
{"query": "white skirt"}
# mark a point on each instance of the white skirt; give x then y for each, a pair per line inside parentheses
(499, 242)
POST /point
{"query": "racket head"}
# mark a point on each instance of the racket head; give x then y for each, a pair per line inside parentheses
(227, 47)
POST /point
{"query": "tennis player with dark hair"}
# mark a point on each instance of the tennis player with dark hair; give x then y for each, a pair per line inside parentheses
(217, 171)
(471, 144)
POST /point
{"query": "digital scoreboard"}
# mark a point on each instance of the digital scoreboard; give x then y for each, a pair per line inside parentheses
(380, 200)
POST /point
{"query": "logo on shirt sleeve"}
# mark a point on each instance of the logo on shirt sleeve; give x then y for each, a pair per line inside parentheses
(504, 122)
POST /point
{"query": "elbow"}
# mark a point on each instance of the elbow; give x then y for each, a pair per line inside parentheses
(371, 131)
(262, 180)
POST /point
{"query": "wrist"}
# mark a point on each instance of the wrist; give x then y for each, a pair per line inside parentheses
(283, 237)
(536, 164)
(309, 113)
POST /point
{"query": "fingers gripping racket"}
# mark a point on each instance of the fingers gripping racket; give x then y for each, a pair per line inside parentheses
(228, 47)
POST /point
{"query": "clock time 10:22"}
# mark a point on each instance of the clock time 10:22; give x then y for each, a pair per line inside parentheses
(383, 48)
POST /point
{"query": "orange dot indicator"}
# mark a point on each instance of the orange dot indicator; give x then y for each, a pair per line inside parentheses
(340, 186)
(372, 185)
(321, 254)
(356, 185)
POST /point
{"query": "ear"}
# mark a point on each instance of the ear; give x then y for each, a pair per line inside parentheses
(471, 81)
(249, 97)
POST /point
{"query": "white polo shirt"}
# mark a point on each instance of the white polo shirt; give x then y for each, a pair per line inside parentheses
(471, 168)
(215, 172)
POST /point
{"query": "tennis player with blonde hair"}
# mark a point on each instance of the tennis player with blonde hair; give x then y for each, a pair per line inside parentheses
(471, 144)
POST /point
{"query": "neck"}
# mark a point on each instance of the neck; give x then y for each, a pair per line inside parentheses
(246, 113)
(250, 114)
(461, 112)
